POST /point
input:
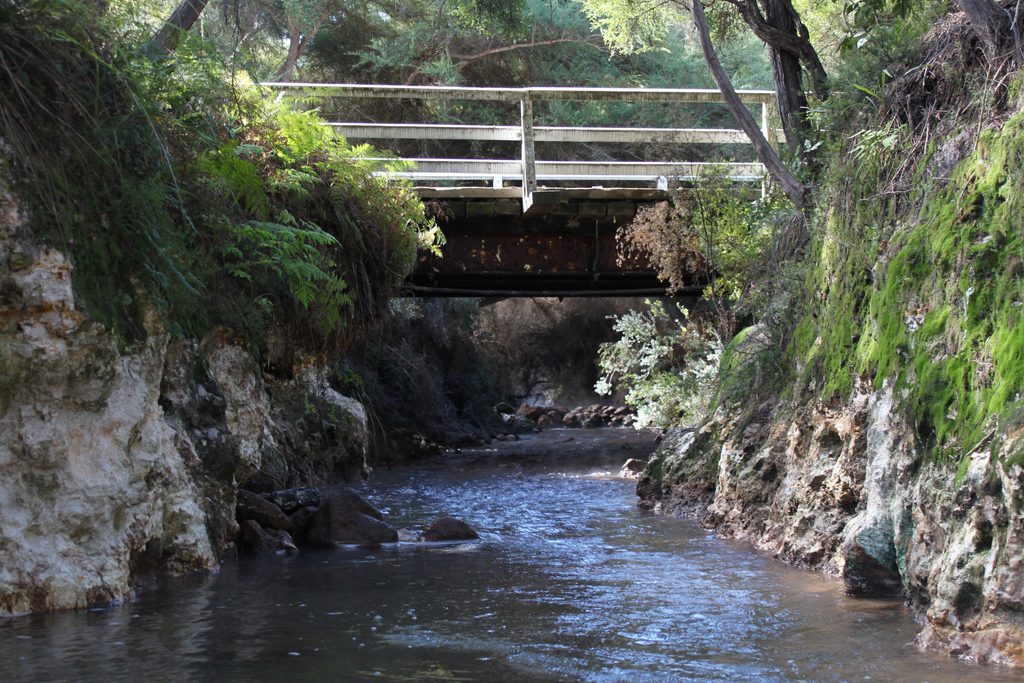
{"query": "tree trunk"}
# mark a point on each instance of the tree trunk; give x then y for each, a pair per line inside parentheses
(794, 189)
(787, 75)
(298, 41)
(991, 23)
(184, 16)
(777, 23)
(294, 52)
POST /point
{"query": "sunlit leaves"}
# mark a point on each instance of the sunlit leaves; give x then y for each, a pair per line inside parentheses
(630, 26)
(667, 365)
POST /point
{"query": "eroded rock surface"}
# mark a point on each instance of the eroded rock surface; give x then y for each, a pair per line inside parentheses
(92, 485)
(120, 461)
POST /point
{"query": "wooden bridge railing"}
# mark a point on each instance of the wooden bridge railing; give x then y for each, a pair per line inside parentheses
(526, 168)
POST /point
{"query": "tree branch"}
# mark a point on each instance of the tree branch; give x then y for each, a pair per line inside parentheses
(467, 59)
(794, 189)
(798, 44)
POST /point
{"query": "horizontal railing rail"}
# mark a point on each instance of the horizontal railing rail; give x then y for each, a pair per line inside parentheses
(444, 92)
(437, 131)
(526, 169)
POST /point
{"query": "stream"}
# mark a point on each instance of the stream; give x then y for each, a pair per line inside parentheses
(570, 581)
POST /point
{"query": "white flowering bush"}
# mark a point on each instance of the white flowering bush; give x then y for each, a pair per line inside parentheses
(667, 365)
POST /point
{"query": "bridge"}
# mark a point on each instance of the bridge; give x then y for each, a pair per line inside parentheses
(519, 225)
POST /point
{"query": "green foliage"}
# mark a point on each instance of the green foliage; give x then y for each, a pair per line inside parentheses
(716, 231)
(305, 211)
(950, 302)
(630, 26)
(668, 365)
(867, 19)
(90, 160)
(173, 185)
(876, 42)
(941, 318)
(750, 366)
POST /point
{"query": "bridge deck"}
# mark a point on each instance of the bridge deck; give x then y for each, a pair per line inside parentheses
(524, 226)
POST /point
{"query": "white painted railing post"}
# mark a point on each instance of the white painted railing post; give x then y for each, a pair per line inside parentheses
(769, 133)
(529, 158)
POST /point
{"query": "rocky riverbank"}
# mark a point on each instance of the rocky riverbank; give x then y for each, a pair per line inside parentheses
(848, 490)
(116, 462)
(529, 418)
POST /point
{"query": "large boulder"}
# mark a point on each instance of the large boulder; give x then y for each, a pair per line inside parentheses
(504, 408)
(869, 561)
(522, 425)
(449, 529)
(532, 413)
(348, 518)
(299, 523)
(263, 512)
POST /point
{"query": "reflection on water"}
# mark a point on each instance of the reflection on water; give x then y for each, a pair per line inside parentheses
(569, 581)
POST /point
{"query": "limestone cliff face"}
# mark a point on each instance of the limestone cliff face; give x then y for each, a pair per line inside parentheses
(89, 472)
(847, 490)
(116, 462)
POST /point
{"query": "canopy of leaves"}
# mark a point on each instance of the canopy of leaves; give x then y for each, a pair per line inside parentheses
(173, 185)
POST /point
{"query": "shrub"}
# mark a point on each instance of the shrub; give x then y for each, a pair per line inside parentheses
(668, 365)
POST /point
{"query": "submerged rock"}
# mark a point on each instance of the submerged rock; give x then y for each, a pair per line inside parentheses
(448, 529)
(256, 540)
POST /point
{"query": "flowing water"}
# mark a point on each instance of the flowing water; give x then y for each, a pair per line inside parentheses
(570, 581)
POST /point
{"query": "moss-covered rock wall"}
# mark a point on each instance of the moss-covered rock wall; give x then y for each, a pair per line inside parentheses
(892, 454)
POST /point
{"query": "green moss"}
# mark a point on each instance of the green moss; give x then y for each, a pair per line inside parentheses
(941, 317)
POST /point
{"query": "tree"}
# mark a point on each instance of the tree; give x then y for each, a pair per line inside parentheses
(793, 188)
(630, 25)
(777, 23)
(993, 26)
(179, 23)
(303, 20)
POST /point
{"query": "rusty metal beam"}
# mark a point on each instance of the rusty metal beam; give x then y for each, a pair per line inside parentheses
(567, 249)
(495, 295)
